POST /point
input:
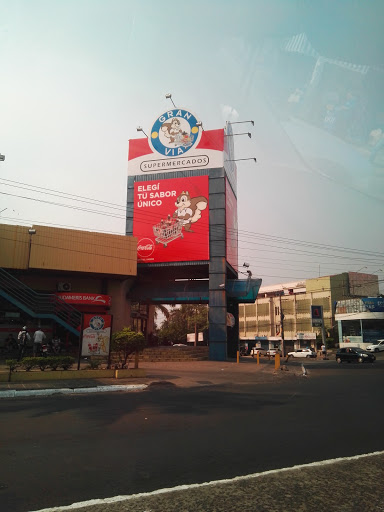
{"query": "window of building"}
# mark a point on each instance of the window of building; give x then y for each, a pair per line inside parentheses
(351, 328)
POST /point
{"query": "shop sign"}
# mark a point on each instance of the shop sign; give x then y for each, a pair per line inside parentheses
(174, 133)
(306, 336)
(376, 304)
(85, 298)
(317, 316)
(176, 141)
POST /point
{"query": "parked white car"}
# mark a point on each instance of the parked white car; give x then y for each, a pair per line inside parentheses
(376, 347)
(302, 352)
(272, 352)
(258, 350)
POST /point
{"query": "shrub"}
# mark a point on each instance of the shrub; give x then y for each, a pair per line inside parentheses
(126, 342)
(12, 363)
(42, 362)
(66, 362)
(28, 363)
(54, 362)
(94, 364)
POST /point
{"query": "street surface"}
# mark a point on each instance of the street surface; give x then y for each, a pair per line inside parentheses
(210, 422)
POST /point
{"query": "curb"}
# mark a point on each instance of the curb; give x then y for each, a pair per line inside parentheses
(13, 393)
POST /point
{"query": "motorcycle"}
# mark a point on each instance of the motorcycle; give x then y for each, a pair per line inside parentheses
(43, 350)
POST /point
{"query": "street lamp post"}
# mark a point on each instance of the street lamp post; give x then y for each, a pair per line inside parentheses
(31, 232)
(282, 328)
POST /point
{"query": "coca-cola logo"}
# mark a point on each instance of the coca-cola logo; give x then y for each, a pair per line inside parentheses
(145, 247)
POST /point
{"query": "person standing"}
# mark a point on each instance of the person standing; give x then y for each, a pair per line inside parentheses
(23, 337)
(10, 343)
(38, 339)
(56, 345)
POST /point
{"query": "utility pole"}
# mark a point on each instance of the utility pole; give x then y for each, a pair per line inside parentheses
(196, 331)
(282, 328)
(323, 337)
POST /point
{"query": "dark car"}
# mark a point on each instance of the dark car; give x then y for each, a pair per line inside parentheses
(354, 355)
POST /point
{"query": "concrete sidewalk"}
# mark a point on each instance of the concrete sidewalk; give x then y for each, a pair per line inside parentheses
(180, 374)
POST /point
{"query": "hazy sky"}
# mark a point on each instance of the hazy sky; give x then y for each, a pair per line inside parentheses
(78, 76)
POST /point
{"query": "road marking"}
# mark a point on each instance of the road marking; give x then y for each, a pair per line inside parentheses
(70, 391)
(117, 499)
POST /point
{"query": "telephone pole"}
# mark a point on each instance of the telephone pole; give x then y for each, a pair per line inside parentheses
(282, 328)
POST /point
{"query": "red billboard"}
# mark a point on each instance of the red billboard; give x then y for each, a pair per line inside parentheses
(231, 226)
(171, 219)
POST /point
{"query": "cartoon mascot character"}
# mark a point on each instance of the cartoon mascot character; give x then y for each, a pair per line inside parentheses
(171, 129)
(189, 209)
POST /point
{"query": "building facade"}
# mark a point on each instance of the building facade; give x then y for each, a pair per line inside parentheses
(283, 311)
(50, 277)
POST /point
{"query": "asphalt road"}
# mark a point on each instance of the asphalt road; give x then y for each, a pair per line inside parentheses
(60, 450)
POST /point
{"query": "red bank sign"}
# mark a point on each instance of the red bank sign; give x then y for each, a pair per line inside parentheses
(85, 298)
(171, 219)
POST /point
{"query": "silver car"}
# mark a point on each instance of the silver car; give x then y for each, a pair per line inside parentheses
(376, 347)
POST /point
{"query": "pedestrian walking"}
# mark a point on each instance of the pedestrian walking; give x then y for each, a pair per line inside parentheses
(324, 351)
(38, 339)
(22, 338)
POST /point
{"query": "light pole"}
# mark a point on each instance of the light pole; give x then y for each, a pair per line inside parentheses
(282, 328)
(31, 232)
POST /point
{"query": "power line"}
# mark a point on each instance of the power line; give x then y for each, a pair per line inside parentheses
(257, 265)
(27, 186)
(368, 261)
(247, 234)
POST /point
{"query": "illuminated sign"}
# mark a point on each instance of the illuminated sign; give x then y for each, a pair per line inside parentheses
(174, 133)
(171, 219)
(317, 316)
(176, 142)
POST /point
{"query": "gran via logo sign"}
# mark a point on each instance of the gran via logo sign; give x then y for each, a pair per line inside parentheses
(174, 133)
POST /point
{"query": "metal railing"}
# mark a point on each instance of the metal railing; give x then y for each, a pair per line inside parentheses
(39, 305)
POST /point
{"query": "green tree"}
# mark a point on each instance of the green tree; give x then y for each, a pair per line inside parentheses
(127, 342)
(183, 320)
